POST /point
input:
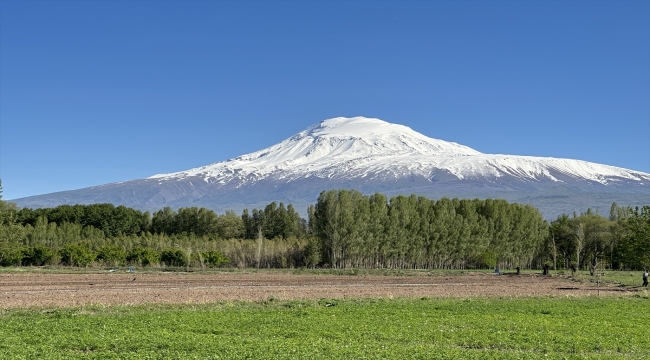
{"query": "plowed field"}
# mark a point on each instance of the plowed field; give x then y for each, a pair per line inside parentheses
(34, 289)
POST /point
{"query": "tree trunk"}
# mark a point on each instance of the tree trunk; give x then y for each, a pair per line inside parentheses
(260, 239)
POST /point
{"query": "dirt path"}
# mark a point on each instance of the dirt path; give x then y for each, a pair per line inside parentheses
(33, 289)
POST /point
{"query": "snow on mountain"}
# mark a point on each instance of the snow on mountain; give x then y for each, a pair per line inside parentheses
(359, 147)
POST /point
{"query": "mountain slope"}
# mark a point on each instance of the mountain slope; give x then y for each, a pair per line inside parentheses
(372, 155)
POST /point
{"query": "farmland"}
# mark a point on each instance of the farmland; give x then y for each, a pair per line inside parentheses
(320, 315)
(25, 289)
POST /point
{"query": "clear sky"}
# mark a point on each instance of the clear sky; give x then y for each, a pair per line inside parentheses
(93, 92)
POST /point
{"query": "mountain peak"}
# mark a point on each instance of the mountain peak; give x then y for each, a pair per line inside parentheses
(382, 136)
(327, 145)
(357, 126)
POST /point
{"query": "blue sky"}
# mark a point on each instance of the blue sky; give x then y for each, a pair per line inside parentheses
(93, 92)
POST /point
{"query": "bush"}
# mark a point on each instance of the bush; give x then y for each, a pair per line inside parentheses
(196, 260)
(112, 255)
(11, 256)
(487, 259)
(77, 255)
(36, 255)
(174, 257)
(143, 256)
(214, 258)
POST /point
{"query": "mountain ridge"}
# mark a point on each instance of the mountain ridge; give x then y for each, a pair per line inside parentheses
(369, 155)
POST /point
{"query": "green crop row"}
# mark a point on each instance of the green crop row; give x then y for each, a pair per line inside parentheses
(530, 328)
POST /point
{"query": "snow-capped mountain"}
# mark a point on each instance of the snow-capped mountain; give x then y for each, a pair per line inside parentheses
(372, 155)
(349, 148)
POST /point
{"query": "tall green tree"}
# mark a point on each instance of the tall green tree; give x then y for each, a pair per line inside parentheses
(635, 245)
(230, 226)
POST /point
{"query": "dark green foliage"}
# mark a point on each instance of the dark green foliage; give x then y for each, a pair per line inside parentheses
(633, 250)
(274, 221)
(312, 253)
(560, 242)
(174, 257)
(198, 221)
(108, 218)
(111, 255)
(10, 256)
(230, 226)
(193, 220)
(163, 221)
(214, 258)
(143, 256)
(77, 255)
(486, 259)
(37, 255)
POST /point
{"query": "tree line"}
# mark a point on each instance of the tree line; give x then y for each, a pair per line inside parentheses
(343, 229)
(592, 241)
(274, 221)
(355, 230)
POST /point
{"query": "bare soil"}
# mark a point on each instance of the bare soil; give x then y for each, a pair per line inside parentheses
(18, 290)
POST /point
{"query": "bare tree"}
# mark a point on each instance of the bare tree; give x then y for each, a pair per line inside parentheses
(579, 229)
(553, 245)
(260, 239)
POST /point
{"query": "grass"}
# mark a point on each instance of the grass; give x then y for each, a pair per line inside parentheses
(341, 329)
(626, 278)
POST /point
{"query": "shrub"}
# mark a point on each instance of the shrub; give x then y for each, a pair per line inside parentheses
(214, 258)
(11, 256)
(111, 255)
(487, 259)
(37, 255)
(196, 259)
(174, 257)
(143, 256)
(77, 255)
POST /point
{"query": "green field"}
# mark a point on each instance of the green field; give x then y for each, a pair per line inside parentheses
(627, 278)
(347, 329)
